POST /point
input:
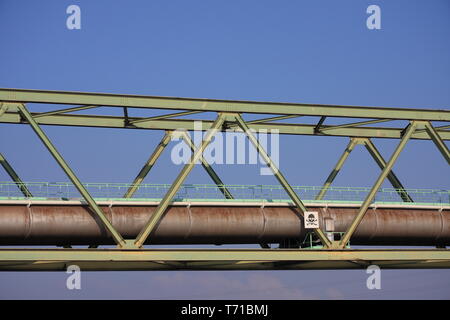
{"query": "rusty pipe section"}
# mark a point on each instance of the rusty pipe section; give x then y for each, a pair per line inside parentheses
(76, 225)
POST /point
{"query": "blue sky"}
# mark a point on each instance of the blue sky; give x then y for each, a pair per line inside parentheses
(292, 51)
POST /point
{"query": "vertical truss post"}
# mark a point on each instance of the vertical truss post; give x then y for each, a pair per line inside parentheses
(362, 211)
(15, 177)
(91, 202)
(376, 155)
(440, 144)
(157, 214)
(208, 168)
(351, 145)
(281, 179)
(149, 164)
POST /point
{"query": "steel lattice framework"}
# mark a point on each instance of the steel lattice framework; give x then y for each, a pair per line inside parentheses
(130, 253)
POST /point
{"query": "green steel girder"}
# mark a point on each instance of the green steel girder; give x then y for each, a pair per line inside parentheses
(101, 121)
(279, 176)
(438, 141)
(354, 124)
(61, 111)
(219, 183)
(376, 155)
(138, 101)
(62, 163)
(229, 259)
(15, 177)
(351, 145)
(169, 135)
(384, 173)
(264, 120)
(164, 203)
(148, 165)
(197, 155)
(165, 116)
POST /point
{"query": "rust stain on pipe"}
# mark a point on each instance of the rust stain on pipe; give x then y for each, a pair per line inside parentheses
(76, 225)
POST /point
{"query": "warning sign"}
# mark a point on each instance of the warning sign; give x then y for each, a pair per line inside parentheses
(311, 220)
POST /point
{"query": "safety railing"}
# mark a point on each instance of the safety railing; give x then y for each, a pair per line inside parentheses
(210, 192)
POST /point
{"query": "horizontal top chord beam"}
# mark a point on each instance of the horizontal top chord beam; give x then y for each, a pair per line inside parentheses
(194, 104)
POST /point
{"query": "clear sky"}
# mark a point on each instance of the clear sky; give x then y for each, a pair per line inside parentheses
(290, 51)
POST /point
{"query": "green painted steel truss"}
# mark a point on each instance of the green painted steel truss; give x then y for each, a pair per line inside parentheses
(130, 253)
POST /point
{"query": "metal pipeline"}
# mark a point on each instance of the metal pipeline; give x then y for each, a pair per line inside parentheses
(76, 225)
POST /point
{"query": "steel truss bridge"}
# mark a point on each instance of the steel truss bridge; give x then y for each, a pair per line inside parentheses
(131, 216)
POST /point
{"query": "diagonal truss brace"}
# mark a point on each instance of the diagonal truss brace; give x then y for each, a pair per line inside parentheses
(77, 183)
(187, 139)
(351, 145)
(158, 213)
(15, 177)
(3, 108)
(169, 135)
(279, 176)
(164, 203)
(384, 173)
(376, 155)
(408, 132)
(440, 144)
(148, 165)
(61, 111)
(212, 174)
